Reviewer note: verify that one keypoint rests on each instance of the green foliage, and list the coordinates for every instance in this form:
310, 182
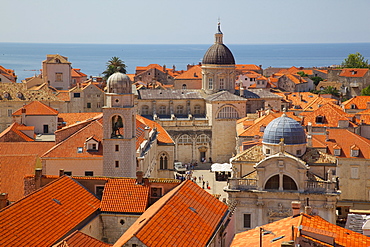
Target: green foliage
365, 91
316, 79
330, 90
115, 64
302, 74
355, 61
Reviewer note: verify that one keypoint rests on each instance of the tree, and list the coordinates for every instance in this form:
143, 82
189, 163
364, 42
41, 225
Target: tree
115, 64
316, 79
355, 61
302, 74
330, 90
365, 91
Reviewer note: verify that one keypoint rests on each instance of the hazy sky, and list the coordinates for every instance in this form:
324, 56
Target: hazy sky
185, 22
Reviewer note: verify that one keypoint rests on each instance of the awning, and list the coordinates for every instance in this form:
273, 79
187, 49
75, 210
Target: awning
225, 167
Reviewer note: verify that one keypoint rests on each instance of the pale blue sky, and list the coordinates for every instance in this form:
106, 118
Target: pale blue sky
185, 22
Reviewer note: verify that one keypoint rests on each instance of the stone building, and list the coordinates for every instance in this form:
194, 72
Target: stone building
268, 177
56, 71
201, 122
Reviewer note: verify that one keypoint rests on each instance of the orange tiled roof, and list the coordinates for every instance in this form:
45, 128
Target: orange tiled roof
186, 216
353, 72
72, 118
14, 134
36, 108
77, 73
63, 95
360, 102
332, 115
245, 67
64, 203
163, 136
80, 239
255, 129
195, 72
124, 195
282, 232
345, 139
8, 73
296, 79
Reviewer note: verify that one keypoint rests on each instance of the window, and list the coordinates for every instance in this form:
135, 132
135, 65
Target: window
210, 83
89, 173
116, 148
10, 112
197, 109
354, 173
79, 150
185, 139
163, 162
183, 86
298, 152
320, 119
88, 105
355, 152
99, 191
203, 138
288, 183
247, 220
116, 163
155, 192
162, 110
180, 109
222, 83
98, 105
145, 110
272, 183
228, 112
58, 76
92, 146
69, 173
337, 152
76, 95
268, 151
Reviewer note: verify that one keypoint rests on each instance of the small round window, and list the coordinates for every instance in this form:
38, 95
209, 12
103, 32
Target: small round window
117, 100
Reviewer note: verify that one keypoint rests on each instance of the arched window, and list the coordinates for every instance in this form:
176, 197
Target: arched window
180, 109
163, 161
288, 183
197, 109
145, 110
183, 86
228, 112
203, 138
185, 139
162, 110
117, 125
272, 183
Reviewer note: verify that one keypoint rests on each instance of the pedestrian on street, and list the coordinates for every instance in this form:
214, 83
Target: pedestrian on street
203, 184
207, 185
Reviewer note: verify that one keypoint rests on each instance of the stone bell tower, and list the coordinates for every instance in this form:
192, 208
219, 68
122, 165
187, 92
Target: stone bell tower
119, 126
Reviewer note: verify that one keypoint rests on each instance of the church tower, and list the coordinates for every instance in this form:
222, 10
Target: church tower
119, 124
218, 67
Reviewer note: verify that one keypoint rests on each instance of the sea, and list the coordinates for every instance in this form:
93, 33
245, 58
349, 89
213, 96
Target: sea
26, 58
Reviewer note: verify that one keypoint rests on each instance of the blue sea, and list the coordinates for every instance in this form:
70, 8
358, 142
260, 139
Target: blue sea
26, 58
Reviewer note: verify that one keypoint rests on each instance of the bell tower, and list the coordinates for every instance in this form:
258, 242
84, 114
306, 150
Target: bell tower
119, 127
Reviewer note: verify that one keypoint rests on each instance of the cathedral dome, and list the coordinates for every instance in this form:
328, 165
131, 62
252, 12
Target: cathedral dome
284, 127
119, 83
218, 54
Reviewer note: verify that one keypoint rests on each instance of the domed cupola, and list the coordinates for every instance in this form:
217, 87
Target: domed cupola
119, 83
218, 53
284, 131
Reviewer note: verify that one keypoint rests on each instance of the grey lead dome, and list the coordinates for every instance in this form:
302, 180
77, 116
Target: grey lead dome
284, 127
119, 83
218, 54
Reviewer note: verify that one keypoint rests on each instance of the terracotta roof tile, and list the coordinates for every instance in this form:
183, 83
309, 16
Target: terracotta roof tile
185, 216
353, 72
72, 118
345, 139
309, 224
36, 108
195, 72
359, 102
124, 195
80, 239
14, 134
63, 95
64, 203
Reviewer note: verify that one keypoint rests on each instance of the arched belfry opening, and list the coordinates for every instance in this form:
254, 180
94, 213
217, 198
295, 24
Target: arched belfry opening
275, 183
117, 126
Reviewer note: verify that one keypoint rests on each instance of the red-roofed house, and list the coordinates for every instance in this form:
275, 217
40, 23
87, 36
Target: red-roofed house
300, 230
295, 83
7, 75
186, 216
353, 80
356, 104
190, 79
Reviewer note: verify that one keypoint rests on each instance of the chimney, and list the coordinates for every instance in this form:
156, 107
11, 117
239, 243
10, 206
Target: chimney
38, 175
296, 207
326, 135
23, 116
139, 177
368, 105
61, 172
308, 210
4, 200
164, 68
146, 132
